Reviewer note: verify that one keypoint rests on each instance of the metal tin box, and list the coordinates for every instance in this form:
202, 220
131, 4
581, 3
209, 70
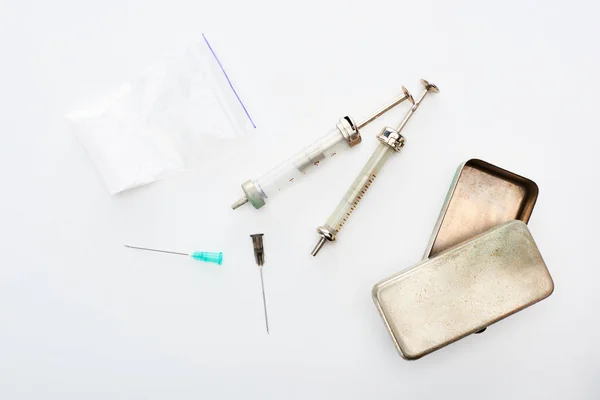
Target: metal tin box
481, 196
463, 290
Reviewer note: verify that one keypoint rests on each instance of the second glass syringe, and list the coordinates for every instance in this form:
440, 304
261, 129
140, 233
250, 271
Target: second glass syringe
345, 135
390, 141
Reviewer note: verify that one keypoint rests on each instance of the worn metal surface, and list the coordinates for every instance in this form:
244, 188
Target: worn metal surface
481, 196
463, 290
349, 131
252, 193
392, 138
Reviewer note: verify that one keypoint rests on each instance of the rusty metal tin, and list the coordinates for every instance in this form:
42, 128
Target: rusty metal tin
463, 290
481, 196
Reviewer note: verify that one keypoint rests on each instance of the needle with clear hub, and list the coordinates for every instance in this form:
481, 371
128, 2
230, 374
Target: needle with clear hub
390, 141
259, 256
206, 256
345, 135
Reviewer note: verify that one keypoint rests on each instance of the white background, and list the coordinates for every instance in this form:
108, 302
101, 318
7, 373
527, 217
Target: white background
81, 317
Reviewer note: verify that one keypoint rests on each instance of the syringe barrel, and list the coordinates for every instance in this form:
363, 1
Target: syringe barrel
358, 188
301, 163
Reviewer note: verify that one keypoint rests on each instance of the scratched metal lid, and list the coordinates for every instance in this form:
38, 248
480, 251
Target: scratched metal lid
463, 290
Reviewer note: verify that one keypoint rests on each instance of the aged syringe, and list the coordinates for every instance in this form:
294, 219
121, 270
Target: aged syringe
345, 135
390, 140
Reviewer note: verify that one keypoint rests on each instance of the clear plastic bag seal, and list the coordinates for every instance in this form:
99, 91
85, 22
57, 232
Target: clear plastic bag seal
171, 118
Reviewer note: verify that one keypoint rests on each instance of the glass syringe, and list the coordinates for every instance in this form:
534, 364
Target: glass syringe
390, 141
345, 135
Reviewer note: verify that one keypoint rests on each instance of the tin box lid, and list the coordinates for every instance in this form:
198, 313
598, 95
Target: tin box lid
463, 290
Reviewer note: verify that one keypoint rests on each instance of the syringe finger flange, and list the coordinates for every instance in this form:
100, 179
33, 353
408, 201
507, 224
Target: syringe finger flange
349, 131
392, 138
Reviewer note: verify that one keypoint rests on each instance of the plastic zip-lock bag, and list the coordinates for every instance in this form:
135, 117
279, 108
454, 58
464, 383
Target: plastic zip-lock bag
168, 120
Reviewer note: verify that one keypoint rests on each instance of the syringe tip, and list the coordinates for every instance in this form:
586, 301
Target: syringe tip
240, 202
318, 246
